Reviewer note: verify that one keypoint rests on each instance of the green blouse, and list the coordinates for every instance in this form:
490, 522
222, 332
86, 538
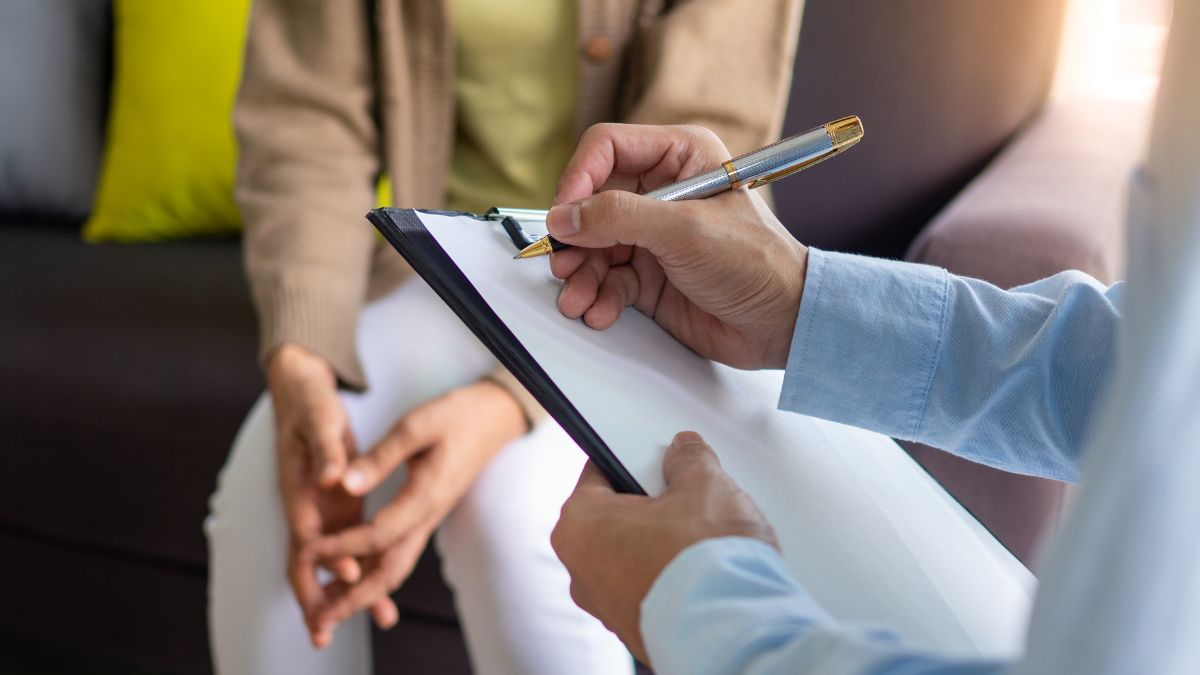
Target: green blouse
515, 95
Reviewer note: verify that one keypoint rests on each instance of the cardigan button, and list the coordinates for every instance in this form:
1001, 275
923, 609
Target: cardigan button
598, 49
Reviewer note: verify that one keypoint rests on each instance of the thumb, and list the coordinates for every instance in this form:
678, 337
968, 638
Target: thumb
329, 450
688, 460
617, 217
592, 479
370, 469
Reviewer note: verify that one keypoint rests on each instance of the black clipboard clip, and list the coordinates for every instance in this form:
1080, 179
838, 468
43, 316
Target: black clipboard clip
511, 220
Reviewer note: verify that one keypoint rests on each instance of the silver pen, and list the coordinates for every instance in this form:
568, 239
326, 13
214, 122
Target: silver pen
752, 170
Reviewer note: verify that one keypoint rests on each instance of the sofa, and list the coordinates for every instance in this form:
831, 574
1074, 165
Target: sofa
127, 369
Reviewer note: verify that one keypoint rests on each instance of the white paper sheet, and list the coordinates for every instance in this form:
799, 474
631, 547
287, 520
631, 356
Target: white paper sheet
862, 526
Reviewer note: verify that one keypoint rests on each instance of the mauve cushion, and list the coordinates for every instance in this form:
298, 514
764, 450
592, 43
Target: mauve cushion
1053, 200
54, 57
941, 87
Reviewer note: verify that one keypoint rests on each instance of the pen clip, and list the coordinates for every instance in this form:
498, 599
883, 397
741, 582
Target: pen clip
843, 134
784, 173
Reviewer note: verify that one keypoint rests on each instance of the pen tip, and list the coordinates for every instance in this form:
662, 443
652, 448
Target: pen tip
538, 248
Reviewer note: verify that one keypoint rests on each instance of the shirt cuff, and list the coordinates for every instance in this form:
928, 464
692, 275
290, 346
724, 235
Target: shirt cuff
720, 599
866, 343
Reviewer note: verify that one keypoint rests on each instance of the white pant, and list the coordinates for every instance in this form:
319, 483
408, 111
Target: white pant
510, 590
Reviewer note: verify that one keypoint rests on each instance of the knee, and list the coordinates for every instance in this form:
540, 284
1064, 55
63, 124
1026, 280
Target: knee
509, 512
246, 483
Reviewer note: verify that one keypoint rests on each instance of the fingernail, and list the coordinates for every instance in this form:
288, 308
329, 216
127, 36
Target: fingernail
354, 480
562, 291
329, 472
687, 438
563, 221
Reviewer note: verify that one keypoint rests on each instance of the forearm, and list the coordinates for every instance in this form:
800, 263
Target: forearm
728, 606
1006, 378
307, 168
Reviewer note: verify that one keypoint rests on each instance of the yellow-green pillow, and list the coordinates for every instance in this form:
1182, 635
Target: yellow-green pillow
170, 154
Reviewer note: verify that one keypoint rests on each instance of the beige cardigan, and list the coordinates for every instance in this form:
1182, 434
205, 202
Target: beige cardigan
334, 91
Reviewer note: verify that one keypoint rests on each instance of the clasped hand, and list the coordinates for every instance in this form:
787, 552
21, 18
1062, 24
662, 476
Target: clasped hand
322, 479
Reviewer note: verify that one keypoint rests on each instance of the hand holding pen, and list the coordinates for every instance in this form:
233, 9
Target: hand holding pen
721, 275
751, 170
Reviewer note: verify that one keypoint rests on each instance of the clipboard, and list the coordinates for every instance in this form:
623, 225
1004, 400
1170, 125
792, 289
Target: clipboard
406, 233
868, 533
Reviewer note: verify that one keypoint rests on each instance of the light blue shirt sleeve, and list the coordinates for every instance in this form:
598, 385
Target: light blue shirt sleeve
1011, 379
729, 606
726, 606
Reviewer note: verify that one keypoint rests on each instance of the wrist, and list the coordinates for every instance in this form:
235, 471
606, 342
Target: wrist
291, 362
512, 422
780, 347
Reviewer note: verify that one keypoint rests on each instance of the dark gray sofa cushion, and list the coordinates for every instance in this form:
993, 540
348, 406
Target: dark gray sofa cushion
54, 57
127, 371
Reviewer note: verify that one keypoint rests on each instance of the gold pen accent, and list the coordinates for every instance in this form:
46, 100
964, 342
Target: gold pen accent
845, 132
735, 182
538, 248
